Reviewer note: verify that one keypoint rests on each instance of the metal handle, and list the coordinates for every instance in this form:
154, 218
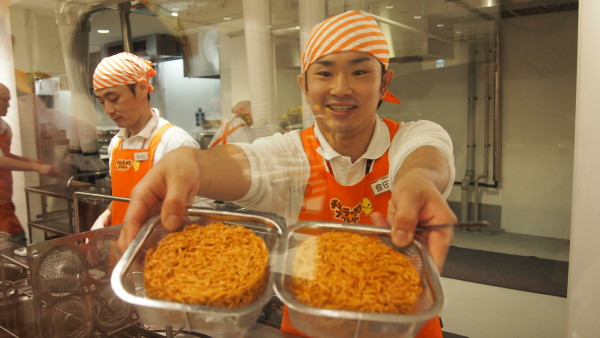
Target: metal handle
424, 227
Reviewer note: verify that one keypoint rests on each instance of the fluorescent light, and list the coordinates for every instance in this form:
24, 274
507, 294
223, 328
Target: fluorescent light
389, 6
417, 17
226, 18
174, 14
103, 31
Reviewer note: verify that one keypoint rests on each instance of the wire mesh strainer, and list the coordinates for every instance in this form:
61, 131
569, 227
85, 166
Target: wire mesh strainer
69, 317
72, 296
61, 271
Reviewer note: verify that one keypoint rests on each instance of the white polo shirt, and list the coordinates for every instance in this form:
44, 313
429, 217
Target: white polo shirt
173, 138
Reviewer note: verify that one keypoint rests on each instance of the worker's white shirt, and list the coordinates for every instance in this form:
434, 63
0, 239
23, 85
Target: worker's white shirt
173, 138
280, 167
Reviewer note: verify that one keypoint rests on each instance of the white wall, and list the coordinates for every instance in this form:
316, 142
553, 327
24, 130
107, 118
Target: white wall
183, 96
538, 104
584, 270
538, 107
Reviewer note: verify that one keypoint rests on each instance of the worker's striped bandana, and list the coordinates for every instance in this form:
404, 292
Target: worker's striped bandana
122, 69
349, 31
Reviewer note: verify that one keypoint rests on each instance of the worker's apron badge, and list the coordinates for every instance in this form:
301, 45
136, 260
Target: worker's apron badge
381, 185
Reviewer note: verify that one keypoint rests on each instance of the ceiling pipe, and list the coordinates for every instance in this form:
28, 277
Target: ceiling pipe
470, 171
124, 12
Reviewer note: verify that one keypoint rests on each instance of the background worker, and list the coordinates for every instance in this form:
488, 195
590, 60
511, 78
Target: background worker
10, 162
406, 170
122, 86
238, 129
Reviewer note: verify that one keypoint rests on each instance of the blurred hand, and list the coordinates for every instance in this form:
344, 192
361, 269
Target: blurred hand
47, 169
417, 200
103, 220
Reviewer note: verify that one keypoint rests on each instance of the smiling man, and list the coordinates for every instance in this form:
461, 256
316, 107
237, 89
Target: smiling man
122, 86
350, 167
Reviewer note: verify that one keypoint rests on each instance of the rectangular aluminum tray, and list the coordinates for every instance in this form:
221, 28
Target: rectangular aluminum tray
128, 277
320, 322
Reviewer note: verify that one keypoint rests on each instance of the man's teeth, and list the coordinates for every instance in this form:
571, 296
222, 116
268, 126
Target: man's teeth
340, 108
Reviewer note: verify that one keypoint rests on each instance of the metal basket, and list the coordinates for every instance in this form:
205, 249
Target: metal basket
128, 278
71, 285
321, 322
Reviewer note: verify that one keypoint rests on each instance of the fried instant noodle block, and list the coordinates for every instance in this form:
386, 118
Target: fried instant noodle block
349, 271
216, 265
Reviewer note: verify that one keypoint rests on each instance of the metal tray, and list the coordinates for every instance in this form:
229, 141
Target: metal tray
128, 278
320, 322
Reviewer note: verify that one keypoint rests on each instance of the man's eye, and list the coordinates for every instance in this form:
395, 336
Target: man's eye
325, 74
359, 72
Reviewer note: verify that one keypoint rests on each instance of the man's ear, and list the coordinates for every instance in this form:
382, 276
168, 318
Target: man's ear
385, 82
302, 83
143, 86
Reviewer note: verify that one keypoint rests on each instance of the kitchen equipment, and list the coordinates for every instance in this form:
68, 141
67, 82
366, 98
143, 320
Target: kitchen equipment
51, 208
72, 296
321, 322
16, 311
128, 277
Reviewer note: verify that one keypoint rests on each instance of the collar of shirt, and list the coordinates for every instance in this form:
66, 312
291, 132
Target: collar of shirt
378, 146
144, 133
346, 172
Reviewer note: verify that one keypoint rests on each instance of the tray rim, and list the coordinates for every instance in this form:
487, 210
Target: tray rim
133, 249
432, 275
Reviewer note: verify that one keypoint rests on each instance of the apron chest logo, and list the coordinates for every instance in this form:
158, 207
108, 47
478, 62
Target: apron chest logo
123, 165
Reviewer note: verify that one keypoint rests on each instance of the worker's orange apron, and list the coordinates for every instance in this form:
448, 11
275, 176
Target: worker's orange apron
8, 220
127, 168
327, 200
226, 132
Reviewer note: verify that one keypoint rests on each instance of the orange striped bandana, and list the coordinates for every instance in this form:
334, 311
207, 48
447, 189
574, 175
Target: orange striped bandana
122, 69
349, 31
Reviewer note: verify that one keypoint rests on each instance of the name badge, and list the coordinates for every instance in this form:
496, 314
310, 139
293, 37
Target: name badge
381, 185
139, 157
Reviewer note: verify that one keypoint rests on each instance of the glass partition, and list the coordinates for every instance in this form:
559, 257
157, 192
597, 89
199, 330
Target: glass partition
499, 76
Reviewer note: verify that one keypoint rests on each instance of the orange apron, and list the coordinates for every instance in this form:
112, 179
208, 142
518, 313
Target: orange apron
8, 220
226, 133
327, 200
127, 167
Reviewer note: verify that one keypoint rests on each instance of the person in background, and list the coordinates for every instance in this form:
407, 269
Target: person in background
238, 129
10, 162
326, 171
122, 86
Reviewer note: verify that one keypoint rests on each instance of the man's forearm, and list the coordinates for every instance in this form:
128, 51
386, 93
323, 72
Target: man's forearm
224, 172
429, 162
11, 163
